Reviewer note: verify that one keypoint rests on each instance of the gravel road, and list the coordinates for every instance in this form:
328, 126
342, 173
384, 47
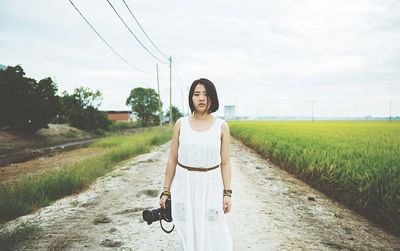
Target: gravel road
272, 210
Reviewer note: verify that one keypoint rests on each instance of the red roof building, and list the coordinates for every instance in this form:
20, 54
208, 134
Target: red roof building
120, 115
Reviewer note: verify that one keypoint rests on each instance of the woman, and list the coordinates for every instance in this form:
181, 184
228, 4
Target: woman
198, 174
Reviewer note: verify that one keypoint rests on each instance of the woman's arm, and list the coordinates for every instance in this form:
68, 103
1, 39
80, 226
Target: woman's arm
225, 156
226, 166
172, 161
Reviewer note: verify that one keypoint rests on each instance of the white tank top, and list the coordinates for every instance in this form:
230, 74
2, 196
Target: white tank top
200, 149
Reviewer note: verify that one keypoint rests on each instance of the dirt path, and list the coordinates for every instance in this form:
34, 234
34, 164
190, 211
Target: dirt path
271, 211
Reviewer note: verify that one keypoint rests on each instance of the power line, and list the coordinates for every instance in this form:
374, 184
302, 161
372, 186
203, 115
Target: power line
183, 90
102, 39
180, 80
143, 30
179, 84
137, 39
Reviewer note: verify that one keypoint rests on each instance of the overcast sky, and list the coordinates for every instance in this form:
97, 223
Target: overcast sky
265, 57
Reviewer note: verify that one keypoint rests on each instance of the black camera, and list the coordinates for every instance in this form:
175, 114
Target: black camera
158, 214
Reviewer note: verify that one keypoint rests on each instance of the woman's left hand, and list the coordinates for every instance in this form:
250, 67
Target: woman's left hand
227, 204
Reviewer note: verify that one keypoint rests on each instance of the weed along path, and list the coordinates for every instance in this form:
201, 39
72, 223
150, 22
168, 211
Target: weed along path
272, 210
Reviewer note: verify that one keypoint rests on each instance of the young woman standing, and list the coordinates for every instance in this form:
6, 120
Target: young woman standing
198, 174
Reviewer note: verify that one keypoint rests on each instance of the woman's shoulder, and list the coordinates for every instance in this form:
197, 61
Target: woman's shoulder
224, 125
181, 119
179, 122
222, 121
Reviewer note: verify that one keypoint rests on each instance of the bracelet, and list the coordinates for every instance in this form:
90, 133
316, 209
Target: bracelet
165, 193
228, 191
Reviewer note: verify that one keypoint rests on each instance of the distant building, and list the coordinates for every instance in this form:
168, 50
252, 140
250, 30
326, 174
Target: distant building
229, 112
120, 115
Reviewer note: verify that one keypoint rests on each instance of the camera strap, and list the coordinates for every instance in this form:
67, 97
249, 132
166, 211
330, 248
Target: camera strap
167, 231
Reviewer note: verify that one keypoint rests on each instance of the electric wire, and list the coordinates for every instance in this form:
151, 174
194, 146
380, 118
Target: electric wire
102, 39
178, 82
137, 39
179, 78
179, 85
155, 46
174, 76
184, 91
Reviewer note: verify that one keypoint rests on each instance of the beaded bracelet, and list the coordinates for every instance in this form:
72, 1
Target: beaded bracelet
228, 192
165, 193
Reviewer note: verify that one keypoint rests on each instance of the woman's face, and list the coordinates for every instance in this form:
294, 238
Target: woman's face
200, 99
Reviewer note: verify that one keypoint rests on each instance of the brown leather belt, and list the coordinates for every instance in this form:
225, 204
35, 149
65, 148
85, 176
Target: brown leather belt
199, 169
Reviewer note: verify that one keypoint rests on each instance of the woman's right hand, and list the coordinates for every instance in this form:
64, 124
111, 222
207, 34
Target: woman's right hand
163, 199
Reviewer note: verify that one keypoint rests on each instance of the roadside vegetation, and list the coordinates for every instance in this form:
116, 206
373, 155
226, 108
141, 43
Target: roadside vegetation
357, 163
9, 239
118, 125
32, 193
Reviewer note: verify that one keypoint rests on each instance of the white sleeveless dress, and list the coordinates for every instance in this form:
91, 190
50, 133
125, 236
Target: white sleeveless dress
197, 198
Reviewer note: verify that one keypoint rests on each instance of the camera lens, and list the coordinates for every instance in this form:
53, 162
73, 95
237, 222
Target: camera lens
153, 215
148, 216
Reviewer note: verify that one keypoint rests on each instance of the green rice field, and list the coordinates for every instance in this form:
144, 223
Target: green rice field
357, 163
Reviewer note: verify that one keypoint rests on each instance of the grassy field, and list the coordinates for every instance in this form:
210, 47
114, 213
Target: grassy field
357, 163
31, 193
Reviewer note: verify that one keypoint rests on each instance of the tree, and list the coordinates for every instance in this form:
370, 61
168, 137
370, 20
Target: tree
176, 114
79, 109
24, 103
144, 103
45, 102
86, 97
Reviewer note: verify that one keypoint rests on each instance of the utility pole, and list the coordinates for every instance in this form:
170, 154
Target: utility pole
390, 110
170, 91
159, 98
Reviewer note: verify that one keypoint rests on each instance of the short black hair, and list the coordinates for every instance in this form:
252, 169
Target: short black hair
211, 94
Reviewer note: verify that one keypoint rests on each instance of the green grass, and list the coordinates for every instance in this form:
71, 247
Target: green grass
38, 191
71, 134
357, 163
75, 203
126, 125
